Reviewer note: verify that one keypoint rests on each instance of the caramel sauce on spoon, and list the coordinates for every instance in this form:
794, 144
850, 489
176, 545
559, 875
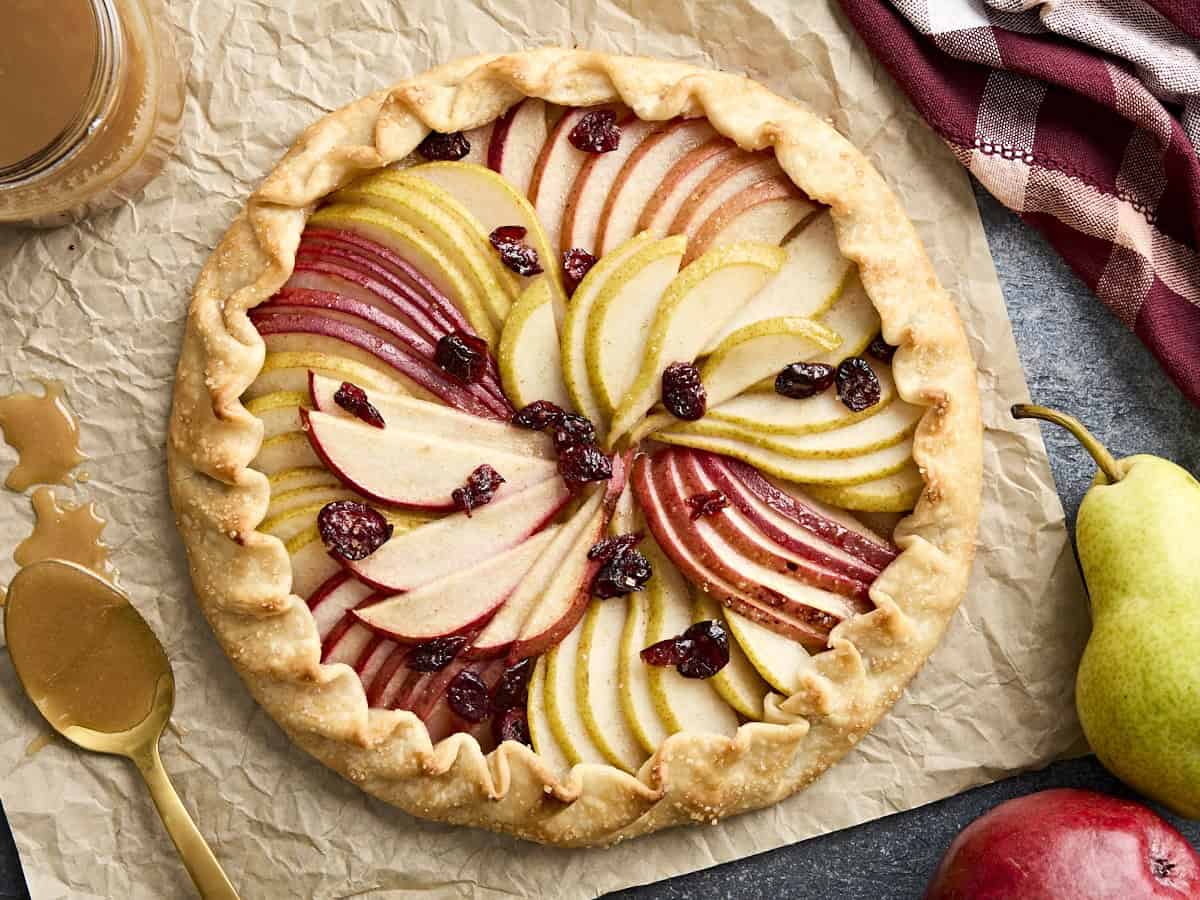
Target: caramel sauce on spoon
44, 434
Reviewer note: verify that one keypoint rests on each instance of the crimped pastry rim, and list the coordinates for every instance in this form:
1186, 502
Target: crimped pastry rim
242, 577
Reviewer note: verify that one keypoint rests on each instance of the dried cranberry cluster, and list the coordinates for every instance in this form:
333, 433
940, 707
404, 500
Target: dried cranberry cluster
683, 392
509, 241
435, 655
478, 491
447, 147
468, 696
462, 356
352, 530
576, 263
596, 132
700, 652
579, 459
623, 569
353, 400
857, 384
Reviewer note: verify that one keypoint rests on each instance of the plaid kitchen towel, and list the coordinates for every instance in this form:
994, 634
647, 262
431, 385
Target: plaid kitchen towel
1083, 116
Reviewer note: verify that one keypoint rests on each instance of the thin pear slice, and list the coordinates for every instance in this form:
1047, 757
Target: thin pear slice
738, 683
436, 420
620, 320
895, 493
517, 141
422, 205
432, 551
287, 480
496, 203
854, 319
637, 702
737, 174
770, 413
479, 140
810, 281
540, 730
284, 451
562, 706
554, 174
312, 566
768, 211
500, 633
682, 181
780, 661
530, 352
304, 494
575, 328
458, 602
695, 304
446, 271
598, 684
684, 704
850, 471
279, 411
288, 371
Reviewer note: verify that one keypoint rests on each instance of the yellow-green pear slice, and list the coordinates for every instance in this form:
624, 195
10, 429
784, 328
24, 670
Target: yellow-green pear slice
289, 450
443, 219
495, 202
540, 730
289, 524
738, 683
299, 346
598, 685
286, 480
447, 272
575, 328
897, 492
810, 280
854, 318
637, 701
279, 411
529, 353
287, 372
851, 470
619, 323
562, 706
770, 413
683, 704
285, 501
779, 660
895, 422
695, 304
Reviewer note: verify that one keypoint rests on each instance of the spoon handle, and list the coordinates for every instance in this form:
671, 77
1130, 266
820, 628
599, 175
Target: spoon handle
206, 872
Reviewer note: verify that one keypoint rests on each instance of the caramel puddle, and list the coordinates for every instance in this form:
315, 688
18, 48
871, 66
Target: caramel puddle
44, 434
70, 532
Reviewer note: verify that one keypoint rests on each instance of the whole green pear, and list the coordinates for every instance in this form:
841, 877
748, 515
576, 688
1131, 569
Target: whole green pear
1138, 687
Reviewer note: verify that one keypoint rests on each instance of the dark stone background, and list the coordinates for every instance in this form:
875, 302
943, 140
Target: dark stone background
1078, 357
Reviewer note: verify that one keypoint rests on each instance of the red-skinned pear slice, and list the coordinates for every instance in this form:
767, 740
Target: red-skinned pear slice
554, 174
517, 141
573, 340
505, 627
530, 355
436, 420
621, 318
737, 174
598, 684
446, 270
695, 305
812, 278
739, 683
682, 180
480, 140
767, 212
312, 566
854, 319
594, 185
566, 596
540, 732
642, 177
442, 547
562, 705
683, 704
333, 599
458, 602
895, 493
411, 469
813, 632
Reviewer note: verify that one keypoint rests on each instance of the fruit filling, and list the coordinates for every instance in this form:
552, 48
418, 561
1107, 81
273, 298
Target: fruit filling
579, 507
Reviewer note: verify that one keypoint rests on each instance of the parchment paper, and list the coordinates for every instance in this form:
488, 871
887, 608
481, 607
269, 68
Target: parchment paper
102, 306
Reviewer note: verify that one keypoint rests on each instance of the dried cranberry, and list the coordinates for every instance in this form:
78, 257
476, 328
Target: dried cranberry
609, 547
576, 263
709, 653
512, 725
481, 485
468, 696
509, 241
581, 463
801, 380
352, 530
353, 400
435, 655
444, 147
683, 393
462, 355
512, 690
624, 573
538, 415
707, 504
596, 132
573, 429
670, 652
857, 384
881, 349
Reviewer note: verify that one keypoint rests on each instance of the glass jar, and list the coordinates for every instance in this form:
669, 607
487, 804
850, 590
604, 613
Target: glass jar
91, 97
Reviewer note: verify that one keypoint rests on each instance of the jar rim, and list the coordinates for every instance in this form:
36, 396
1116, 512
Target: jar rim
102, 96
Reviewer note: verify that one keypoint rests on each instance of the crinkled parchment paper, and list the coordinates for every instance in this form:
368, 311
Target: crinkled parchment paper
102, 307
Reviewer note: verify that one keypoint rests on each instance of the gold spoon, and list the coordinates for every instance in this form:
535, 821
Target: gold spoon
95, 670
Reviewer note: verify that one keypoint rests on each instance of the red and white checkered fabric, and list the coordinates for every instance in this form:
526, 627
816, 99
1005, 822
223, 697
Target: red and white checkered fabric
1083, 116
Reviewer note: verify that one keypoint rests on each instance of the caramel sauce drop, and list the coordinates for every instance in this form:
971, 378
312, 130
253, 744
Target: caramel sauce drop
71, 532
44, 434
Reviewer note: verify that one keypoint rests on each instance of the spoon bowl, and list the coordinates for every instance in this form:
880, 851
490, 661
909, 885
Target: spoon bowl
95, 670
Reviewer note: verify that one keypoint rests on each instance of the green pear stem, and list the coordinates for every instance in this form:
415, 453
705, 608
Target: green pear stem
1104, 459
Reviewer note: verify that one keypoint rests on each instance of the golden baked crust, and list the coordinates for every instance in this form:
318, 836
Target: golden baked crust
243, 577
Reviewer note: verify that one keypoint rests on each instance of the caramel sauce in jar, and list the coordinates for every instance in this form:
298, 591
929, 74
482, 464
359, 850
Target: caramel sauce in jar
91, 96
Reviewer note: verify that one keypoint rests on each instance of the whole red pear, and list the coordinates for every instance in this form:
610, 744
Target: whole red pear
1067, 845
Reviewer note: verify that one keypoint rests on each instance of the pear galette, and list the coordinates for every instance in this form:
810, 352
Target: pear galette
575, 445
